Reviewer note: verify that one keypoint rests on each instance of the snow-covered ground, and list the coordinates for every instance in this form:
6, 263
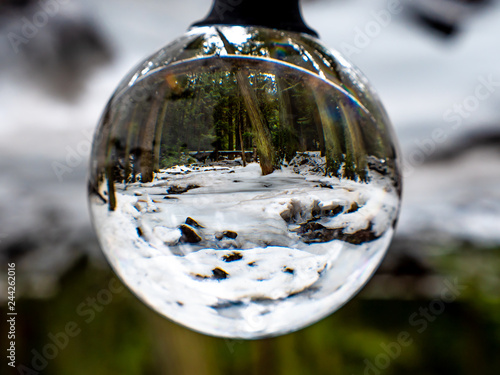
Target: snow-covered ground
221, 248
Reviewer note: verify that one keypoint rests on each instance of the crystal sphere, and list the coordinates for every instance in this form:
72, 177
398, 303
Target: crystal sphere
244, 181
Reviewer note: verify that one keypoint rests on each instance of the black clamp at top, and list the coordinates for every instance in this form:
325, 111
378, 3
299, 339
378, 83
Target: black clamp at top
275, 14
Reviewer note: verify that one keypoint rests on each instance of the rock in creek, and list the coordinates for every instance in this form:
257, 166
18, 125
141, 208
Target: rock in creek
230, 234
189, 234
174, 189
217, 274
190, 221
313, 232
227, 233
232, 257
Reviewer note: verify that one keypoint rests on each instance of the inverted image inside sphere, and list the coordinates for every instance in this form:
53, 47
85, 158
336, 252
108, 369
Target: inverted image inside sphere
244, 181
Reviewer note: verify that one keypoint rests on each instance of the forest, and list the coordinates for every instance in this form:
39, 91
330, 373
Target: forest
207, 110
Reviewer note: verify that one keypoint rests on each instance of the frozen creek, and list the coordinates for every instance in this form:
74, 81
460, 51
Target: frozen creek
225, 250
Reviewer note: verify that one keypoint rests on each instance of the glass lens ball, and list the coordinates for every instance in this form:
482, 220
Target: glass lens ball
244, 181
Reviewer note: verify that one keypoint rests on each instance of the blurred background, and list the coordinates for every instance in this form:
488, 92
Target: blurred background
432, 308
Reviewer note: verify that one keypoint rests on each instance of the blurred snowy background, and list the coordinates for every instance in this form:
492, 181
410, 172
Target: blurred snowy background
434, 63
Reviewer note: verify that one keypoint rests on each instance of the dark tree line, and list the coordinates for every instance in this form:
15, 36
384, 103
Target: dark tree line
235, 104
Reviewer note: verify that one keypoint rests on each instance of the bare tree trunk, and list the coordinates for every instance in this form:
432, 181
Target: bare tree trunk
321, 134
290, 142
101, 143
376, 131
333, 149
147, 134
356, 163
159, 132
111, 187
262, 134
130, 142
106, 148
240, 134
102, 154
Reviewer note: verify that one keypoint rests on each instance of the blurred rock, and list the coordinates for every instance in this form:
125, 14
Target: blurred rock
55, 44
472, 141
230, 234
189, 234
444, 17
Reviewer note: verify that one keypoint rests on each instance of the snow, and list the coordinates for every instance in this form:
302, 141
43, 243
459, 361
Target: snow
264, 281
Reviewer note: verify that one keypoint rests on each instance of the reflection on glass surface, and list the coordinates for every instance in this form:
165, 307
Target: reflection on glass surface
244, 181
